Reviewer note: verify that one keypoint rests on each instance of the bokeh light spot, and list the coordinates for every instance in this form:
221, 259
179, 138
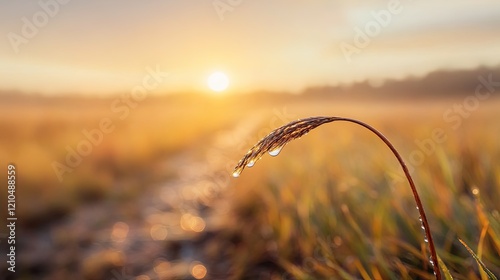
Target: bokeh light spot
190, 222
199, 271
119, 232
158, 232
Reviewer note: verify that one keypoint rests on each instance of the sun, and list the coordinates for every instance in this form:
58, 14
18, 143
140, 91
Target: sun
218, 81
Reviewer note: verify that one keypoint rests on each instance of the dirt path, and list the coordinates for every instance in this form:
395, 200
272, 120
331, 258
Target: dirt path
165, 233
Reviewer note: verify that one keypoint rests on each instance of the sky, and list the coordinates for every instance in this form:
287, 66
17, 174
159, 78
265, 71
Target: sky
106, 46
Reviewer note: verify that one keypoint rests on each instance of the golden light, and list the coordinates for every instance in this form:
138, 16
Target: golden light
199, 271
192, 223
218, 81
162, 268
158, 232
119, 232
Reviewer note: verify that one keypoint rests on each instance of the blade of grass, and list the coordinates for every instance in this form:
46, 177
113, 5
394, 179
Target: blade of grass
444, 268
486, 219
402, 269
362, 270
478, 260
480, 247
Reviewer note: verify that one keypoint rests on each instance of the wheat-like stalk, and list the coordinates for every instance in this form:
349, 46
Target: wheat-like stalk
278, 138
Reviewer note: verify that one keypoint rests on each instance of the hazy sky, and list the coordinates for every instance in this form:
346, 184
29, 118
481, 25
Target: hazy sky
105, 46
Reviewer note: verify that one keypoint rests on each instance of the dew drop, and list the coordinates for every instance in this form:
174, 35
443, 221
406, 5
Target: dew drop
422, 226
417, 207
237, 173
276, 151
426, 240
251, 163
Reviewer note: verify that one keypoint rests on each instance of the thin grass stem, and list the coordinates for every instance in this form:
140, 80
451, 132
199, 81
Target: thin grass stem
274, 142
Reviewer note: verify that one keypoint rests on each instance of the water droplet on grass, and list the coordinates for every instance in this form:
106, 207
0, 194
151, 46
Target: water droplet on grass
251, 163
237, 173
276, 151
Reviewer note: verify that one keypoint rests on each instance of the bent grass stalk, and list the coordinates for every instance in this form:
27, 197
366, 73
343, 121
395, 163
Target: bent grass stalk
274, 142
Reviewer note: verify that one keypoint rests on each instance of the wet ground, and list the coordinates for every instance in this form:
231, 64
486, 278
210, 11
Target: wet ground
170, 231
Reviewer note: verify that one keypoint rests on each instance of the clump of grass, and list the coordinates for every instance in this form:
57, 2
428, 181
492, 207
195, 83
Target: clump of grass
274, 142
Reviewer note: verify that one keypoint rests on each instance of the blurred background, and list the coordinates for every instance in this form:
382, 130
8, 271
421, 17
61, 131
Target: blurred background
125, 119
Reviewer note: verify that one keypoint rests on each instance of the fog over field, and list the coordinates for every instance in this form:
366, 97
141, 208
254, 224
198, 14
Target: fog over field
122, 123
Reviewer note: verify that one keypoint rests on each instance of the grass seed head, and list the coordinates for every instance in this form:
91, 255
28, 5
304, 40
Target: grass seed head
274, 142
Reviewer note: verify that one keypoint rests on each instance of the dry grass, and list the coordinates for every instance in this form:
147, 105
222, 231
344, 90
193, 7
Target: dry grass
35, 133
278, 138
326, 209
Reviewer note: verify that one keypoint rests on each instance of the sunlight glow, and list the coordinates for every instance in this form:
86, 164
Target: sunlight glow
218, 81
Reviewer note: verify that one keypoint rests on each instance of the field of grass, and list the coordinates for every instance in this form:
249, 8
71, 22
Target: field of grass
36, 132
333, 205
